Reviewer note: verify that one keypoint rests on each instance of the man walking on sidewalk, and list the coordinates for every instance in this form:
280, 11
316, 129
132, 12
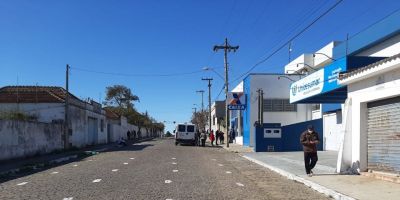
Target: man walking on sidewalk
309, 139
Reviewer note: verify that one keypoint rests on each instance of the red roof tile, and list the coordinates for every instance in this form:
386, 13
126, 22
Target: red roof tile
33, 94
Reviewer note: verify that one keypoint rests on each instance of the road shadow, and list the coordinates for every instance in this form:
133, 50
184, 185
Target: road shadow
39, 163
33, 168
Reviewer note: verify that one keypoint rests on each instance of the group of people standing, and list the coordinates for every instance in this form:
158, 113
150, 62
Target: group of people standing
219, 135
202, 137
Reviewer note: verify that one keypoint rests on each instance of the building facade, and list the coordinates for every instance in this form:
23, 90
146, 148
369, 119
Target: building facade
372, 125
359, 94
47, 104
275, 106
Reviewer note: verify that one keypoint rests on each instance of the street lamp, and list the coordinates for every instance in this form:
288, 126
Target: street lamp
324, 55
202, 104
279, 77
212, 69
290, 70
305, 64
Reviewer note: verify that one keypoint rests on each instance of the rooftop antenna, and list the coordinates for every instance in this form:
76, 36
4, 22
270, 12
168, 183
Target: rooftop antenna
347, 43
290, 50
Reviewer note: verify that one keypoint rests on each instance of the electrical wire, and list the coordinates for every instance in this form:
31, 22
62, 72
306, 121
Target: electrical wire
136, 75
290, 40
220, 92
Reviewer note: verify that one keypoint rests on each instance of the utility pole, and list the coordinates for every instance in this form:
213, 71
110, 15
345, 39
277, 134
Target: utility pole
202, 100
66, 120
260, 107
209, 101
227, 48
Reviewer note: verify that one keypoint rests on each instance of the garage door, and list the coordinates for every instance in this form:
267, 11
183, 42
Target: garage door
384, 135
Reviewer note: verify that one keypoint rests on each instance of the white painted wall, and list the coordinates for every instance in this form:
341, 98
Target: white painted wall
387, 48
375, 86
274, 88
361, 93
333, 132
46, 112
21, 138
79, 113
119, 128
320, 60
79, 125
316, 114
294, 65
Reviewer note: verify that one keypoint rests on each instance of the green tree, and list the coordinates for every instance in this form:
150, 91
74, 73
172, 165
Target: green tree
168, 134
120, 96
200, 119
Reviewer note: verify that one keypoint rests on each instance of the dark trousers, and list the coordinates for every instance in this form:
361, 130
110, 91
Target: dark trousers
203, 142
310, 160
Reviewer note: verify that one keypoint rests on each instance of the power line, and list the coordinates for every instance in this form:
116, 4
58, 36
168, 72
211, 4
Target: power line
137, 75
287, 42
220, 92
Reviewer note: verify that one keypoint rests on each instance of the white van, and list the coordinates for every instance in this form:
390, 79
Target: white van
185, 134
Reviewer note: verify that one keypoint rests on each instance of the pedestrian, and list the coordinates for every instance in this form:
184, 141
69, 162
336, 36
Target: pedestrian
197, 140
128, 135
221, 137
232, 135
203, 136
212, 137
121, 142
134, 135
216, 137
309, 139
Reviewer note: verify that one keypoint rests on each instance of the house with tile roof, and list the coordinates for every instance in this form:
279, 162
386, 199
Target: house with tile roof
47, 104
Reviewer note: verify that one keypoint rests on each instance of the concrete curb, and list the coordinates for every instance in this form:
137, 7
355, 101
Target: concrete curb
319, 188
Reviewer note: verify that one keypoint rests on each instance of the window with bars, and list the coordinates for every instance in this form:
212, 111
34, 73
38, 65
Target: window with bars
279, 105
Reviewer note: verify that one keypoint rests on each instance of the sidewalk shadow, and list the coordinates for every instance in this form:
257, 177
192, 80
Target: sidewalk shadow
327, 174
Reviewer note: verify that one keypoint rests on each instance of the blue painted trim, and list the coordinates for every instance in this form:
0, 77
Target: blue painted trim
369, 37
246, 113
329, 107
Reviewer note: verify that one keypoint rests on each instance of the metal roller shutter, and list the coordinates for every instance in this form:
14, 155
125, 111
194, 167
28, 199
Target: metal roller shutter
384, 135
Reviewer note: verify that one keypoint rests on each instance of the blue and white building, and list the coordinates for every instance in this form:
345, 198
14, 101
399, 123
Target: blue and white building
357, 86
277, 111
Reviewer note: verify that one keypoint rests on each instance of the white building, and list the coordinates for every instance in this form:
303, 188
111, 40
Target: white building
359, 93
47, 104
218, 116
276, 107
372, 109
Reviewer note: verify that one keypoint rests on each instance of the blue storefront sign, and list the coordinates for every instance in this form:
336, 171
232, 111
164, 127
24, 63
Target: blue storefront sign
319, 82
322, 86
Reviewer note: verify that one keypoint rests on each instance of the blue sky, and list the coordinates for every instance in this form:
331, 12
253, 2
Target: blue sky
38, 38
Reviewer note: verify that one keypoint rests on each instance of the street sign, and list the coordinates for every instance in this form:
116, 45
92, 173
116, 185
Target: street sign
236, 101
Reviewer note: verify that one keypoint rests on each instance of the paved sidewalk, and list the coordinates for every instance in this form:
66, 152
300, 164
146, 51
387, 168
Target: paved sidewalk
325, 180
237, 148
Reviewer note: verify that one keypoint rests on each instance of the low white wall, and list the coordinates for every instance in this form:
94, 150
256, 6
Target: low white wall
20, 138
333, 132
239, 140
